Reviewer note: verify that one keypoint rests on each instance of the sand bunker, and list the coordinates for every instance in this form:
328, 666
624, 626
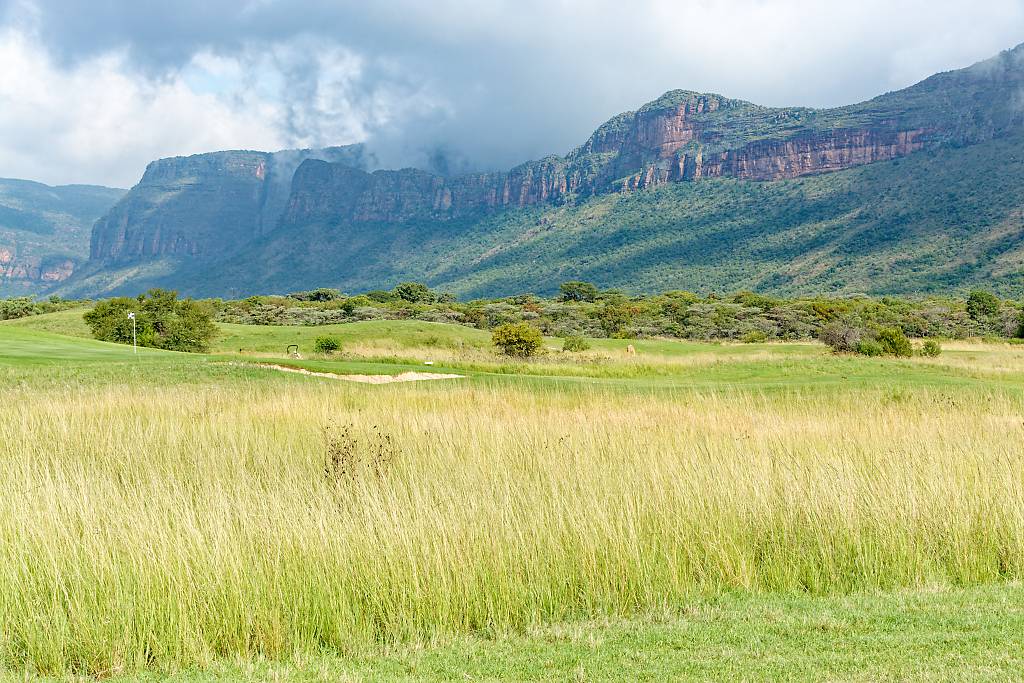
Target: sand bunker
366, 379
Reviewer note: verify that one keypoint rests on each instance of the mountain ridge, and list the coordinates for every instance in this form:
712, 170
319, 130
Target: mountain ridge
681, 137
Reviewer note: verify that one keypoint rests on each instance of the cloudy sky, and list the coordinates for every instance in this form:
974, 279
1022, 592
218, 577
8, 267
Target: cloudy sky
91, 91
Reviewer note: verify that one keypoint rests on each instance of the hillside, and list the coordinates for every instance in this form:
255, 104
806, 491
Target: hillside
44, 231
909, 192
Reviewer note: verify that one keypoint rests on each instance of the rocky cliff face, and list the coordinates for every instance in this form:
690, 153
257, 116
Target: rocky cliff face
203, 206
687, 136
44, 232
805, 154
34, 269
323, 191
682, 137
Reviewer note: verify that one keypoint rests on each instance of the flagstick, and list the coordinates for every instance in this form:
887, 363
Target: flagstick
135, 345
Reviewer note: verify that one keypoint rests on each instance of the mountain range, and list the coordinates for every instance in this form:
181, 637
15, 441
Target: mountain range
915, 191
45, 231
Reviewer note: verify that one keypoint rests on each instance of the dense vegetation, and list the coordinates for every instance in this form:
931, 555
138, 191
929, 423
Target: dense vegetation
24, 306
582, 310
156, 319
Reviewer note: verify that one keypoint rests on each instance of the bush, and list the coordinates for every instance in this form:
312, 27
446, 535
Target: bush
754, 337
869, 347
931, 349
326, 344
841, 336
895, 343
575, 343
517, 339
20, 307
161, 322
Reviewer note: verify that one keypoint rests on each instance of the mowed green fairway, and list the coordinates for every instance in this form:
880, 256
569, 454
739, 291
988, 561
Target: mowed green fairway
691, 512
390, 347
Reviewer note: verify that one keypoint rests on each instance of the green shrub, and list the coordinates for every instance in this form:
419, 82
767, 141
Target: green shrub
575, 343
931, 349
20, 307
161, 322
754, 337
517, 339
870, 347
353, 302
895, 343
326, 344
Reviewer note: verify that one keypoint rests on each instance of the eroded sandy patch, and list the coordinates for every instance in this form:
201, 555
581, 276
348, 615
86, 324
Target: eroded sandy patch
409, 376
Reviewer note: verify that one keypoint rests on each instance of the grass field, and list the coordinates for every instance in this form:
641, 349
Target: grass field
695, 511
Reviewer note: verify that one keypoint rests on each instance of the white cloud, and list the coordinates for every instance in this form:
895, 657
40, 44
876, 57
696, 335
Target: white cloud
100, 122
93, 91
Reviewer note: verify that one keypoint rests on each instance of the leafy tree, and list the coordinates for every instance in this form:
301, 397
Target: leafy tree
380, 296
415, 293
982, 304
577, 290
615, 318
162, 321
517, 339
320, 294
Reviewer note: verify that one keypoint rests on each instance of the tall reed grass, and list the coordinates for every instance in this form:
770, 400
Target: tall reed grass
171, 529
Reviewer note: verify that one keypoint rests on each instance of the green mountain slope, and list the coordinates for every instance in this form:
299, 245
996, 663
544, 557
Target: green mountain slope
44, 231
938, 220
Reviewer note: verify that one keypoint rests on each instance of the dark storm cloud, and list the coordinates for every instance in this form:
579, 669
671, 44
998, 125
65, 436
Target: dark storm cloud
471, 84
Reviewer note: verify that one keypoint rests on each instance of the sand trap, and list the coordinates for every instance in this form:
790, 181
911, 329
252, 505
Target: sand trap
365, 379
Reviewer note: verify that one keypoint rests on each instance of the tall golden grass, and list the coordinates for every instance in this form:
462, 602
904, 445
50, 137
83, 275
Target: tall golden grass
171, 528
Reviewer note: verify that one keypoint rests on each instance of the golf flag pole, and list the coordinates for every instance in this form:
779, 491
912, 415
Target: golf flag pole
135, 345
